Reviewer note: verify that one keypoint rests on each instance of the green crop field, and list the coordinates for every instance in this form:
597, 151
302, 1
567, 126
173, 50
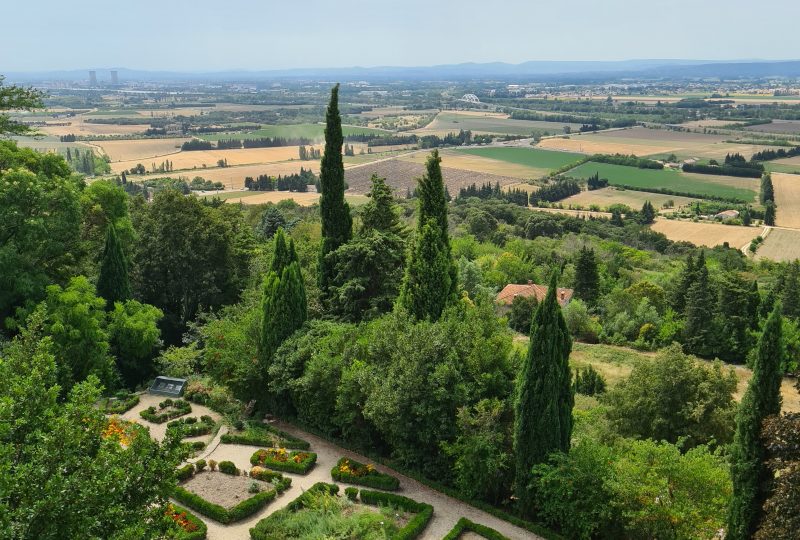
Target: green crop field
453, 122
782, 167
308, 131
699, 185
531, 157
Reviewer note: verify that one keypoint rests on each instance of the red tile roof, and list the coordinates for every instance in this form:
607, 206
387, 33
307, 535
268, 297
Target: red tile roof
506, 296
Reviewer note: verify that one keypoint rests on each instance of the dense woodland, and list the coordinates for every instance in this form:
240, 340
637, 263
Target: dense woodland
376, 327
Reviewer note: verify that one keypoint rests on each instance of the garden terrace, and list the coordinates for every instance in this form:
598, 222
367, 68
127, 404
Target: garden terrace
187, 525
166, 410
257, 434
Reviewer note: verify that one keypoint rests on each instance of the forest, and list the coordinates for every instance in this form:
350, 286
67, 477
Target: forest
376, 327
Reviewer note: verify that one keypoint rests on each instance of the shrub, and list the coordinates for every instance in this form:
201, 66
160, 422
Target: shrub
199, 465
216, 512
186, 526
228, 467
255, 487
280, 460
351, 493
353, 472
190, 427
416, 525
300, 501
464, 525
212, 464
178, 408
589, 382
121, 403
257, 434
185, 472
260, 473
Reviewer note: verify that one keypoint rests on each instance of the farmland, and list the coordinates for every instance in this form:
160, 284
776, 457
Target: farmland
303, 199
724, 187
308, 131
448, 122
791, 127
706, 234
529, 157
139, 149
209, 158
780, 245
233, 177
787, 199
605, 197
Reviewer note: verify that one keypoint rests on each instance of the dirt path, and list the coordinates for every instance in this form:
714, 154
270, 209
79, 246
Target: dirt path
446, 509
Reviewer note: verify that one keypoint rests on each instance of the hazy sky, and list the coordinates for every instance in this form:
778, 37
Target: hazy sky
213, 35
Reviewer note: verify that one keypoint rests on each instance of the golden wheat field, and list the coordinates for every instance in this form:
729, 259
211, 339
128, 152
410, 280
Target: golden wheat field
469, 162
139, 149
634, 199
780, 245
233, 177
76, 126
208, 158
706, 234
586, 145
787, 199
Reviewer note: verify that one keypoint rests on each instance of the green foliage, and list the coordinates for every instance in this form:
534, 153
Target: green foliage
271, 220
16, 98
40, 212
135, 339
244, 509
113, 283
198, 531
351, 471
337, 223
581, 325
675, 398
120, 403
464, 525
258, 434
781, 438
431, 279
521, 313
278, 459
227, 467
166, 410
587, 279
544, 395
638, 489
423, 512
761, 399
61, 478
589, 382
185, 472
699, 332
647, 214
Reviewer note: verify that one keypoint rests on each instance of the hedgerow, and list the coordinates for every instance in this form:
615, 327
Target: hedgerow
280, 460
465, 525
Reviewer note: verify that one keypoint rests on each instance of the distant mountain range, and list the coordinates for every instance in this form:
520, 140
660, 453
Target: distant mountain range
526, 71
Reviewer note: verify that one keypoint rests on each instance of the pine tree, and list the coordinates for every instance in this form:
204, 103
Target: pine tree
790, 295
699, 332
113, 284
337, 223
734, 317
762, 399
431, 278
544, 396
587, 280
687, 279
647, 214
379, 214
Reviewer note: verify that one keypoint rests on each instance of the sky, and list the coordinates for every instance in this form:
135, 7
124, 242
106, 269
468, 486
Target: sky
220, 35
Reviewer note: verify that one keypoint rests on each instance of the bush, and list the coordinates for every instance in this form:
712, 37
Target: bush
186, 526
190, 427
216, 512
280, 460
416, 525
200, 465
121, 403
228, 467
255, 487
353, 472
256, 434
212, 464
351, 493
260, 473
465, 525
300, 501
178, 406
589, 382
185, 472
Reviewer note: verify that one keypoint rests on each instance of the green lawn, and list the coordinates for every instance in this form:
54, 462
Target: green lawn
782, 168
531, 157
698, 185
308, 131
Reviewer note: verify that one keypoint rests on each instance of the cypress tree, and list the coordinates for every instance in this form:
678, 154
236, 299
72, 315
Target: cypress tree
587, 280
687, 279
767, 192
431, 278
790, 296
769, 213
647, 214
283, 254
699, 330
337, 223
544, 395
762, 399
113, 284
753, 305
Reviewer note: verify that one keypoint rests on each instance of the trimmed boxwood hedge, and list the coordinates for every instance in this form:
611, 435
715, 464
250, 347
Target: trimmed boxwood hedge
121, 403
152, 415
181, 534
224, 515
185, 472
413, 528
253, 438
374, 479
465, 525
192, 427
227, 467
295, 505
264, 459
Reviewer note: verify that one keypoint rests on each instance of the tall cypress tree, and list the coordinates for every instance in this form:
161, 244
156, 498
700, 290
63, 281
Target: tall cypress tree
790, 296
687, 279
113, 284
587, 280
337, 223
431, 278
544, 394
699, 331
762, 399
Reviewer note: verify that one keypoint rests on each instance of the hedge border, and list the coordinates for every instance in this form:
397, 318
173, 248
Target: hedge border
464, 524
286, 466
417, 524
536, 528
224, 515
149, 414
196, 428
289, 441
202, 529
375, 479
122, 407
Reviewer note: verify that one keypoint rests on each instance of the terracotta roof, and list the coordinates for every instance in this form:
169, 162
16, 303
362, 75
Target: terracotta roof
506, 296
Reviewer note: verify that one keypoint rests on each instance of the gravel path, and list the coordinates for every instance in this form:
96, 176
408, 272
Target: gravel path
447, 511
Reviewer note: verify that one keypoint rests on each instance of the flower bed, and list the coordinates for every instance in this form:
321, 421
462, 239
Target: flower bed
192, 427
245, 508
320, 511
257, 434
167, 410
465, 525
353, 472
186, 526
120, 403
280, 460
